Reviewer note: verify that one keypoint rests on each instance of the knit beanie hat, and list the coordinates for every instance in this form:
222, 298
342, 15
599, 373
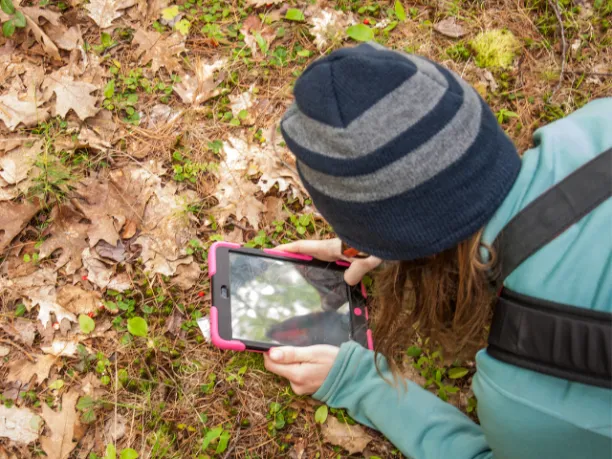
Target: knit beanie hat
400, 155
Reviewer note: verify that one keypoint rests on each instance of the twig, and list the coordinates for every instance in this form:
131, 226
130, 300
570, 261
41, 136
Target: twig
578, 72
231, 449
30, 358
231, 221
555, 7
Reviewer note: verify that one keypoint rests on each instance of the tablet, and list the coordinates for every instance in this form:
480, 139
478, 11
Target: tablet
267, 298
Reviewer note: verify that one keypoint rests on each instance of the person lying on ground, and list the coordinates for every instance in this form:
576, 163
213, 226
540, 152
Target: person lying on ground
408, 164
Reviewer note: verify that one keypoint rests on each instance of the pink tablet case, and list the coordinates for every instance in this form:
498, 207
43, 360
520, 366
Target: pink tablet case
234, 345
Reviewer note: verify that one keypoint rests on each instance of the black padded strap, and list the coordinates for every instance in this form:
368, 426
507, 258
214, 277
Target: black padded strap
559, 340
553, 212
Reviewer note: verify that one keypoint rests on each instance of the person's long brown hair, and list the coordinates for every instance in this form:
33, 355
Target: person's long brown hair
446, 297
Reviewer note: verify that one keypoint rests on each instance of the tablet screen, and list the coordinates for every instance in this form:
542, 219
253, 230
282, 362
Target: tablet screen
280, 302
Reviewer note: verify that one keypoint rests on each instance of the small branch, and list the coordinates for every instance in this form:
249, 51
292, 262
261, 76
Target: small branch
30, 358
555, 7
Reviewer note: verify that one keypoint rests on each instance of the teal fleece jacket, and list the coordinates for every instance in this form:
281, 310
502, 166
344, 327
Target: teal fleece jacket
523, 414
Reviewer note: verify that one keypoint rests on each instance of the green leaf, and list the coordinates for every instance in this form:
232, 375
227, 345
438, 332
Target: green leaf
20, 310
414, 351
234, 122
111, 306
7, 6
56, 385
321, 414
86, 323
137, 326
27, 258
168, 14
223, 442
399, 10
111, 452
19, 20
109, 89
242, 114
128, 453
360, 32
183, 26
293, 14
458, 372
210, 436
85, 403
88, 416
8, 28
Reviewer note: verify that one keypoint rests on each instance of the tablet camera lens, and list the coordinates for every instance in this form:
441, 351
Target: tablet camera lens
224, 292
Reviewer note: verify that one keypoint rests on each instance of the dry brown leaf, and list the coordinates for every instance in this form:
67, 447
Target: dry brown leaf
449, 28
59, 444
167, 230
38, 289
17, 163
174, 322
260, 3
68, 234
297, 452
24, 370
354, 439
158, 50
19, 424
328, 25
251, 27
15, 110
104, 12
109, 204
14, 216
61, 347
64, 37
198, 88
37, 13
78, 301
71, 95
98, 273
187, 275
21, 329
4, 351
39, 34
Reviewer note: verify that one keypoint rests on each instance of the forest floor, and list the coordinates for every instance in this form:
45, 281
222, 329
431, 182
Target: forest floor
134, 133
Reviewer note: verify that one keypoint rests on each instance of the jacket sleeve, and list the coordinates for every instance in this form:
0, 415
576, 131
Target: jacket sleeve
418, 423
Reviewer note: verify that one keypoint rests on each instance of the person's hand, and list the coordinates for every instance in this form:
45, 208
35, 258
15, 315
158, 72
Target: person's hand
331, 250
305, 367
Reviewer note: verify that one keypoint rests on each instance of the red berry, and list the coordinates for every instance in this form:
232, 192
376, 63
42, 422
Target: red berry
200, 294
56, 326
91, 314
101, 307
84, 278
366, 21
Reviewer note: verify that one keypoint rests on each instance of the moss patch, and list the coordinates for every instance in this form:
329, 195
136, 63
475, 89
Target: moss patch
495, 49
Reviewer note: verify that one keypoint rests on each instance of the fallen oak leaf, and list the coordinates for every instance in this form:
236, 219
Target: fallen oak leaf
41, 37
59, 444
15, 110
21, 330
20, 425
329, 25
198, 88
17, 163
24, 370
158, 50
353, 439
257, 36
61, 347
14, 216
242, 103
71, 95
78, 301
68, 233
104, 12
449, 28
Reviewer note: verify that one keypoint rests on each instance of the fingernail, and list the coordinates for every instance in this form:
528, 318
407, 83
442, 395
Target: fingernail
276, 354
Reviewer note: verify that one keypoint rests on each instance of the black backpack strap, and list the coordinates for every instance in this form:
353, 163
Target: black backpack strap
565, 341
553, 212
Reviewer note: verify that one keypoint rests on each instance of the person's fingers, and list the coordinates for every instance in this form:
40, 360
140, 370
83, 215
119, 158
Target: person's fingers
287, 354
360, 268
327, 250
286, 371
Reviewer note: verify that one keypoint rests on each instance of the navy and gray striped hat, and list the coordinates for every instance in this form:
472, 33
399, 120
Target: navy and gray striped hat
400, 155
